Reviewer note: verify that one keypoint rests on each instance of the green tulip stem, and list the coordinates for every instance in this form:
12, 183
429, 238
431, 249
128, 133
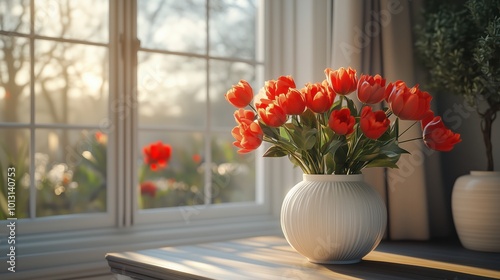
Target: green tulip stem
318, 141
412, 139
388, 112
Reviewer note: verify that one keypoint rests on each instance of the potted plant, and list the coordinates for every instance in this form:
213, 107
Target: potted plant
459, 43
332, 216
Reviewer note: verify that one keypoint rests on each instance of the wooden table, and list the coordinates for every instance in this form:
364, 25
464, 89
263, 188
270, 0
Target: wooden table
270, 257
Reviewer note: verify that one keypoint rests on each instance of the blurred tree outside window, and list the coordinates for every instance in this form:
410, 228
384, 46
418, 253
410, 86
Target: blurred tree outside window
56, 98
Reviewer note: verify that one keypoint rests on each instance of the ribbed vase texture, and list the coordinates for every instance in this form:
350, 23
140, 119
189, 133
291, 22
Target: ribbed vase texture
333, 218
476, 210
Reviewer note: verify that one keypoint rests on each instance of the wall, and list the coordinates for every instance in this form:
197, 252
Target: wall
470, 153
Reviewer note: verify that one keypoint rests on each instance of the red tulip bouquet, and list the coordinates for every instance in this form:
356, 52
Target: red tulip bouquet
323, 131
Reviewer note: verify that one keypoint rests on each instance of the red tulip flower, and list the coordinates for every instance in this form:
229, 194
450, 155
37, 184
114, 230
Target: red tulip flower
437, 136
373, 124
148, 188
406, 103
270, 89
271, 113
240, 95
157, 155
242, 115
317, 97
284, 83
274, 88
341, 121
292, 102
248, 136
371, 89
343, 81
331, 93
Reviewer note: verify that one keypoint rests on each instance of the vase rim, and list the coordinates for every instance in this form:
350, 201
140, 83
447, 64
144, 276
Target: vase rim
484, 173
332, 177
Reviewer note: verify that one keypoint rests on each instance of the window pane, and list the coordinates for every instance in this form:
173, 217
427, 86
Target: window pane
73, 19
179, 179
15, 15
172, 93
233, 28
172, 90
14, 152
172, 25
70, 172
71, 82
222, 76
14, 79
233, 175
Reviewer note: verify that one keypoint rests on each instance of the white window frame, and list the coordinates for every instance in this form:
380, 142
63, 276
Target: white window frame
67, 254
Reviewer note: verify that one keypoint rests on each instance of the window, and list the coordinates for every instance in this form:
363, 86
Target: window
86, 86
53, 68
190, 52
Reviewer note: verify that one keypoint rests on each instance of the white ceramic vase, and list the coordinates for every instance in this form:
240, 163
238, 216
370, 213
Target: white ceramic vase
475, 206
333, 219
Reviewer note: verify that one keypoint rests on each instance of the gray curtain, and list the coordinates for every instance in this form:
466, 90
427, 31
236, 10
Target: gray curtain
376, 36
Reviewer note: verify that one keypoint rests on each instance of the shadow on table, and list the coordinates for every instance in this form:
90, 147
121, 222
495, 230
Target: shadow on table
367, 269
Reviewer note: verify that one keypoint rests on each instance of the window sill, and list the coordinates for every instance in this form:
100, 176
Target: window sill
78, 254
270, 257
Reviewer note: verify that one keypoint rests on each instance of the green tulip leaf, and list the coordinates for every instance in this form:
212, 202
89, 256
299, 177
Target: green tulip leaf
386, 162
275, 151
308, 119
269, 131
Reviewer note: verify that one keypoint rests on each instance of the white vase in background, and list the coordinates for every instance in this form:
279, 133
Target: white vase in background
476, 210
333, 219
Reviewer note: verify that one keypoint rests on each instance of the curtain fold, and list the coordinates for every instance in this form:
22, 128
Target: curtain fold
375, 36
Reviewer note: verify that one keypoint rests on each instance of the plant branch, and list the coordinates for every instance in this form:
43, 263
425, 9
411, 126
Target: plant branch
408, 128
412, 139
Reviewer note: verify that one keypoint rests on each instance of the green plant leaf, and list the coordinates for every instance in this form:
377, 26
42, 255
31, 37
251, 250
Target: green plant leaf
393, 147
293, 134
284, 134
331, 146
294, 161
337, 105
310, 137
352, 107
275, 151
340, 158
329, 163
369, 157
269, 131
308, 118
389, 162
